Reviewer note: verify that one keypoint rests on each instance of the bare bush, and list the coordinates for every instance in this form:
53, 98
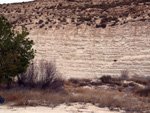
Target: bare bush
28, 79
47, 71
125, 74
43, 76
49, 76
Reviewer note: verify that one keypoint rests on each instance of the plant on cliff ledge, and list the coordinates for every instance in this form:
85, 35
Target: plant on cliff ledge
16, 51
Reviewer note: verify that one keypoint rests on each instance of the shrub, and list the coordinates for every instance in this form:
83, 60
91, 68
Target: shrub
140, 81
70, 0
49, 76
46, 22
125, 74
143, 80
28, 78
82, 18
74, 80
143, 92
106, 19
43, 77
106, 79
40, 22
41, 26
101, 25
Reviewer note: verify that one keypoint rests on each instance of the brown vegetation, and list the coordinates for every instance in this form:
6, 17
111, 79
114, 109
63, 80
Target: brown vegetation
84, 91
101, 98
44, 76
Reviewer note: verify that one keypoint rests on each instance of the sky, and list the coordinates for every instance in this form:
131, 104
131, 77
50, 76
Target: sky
13, 1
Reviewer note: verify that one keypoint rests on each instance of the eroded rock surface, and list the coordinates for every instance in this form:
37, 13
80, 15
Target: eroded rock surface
88, 38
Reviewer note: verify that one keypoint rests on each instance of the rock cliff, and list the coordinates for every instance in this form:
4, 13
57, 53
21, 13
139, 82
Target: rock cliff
88, 38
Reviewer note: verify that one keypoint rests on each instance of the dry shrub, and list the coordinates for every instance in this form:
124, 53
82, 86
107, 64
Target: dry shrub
74, 80
28, 79
140, 81
49, 76
143, 92
70, 84
106, 79
43, 77
125, 85
110, 80
124, 74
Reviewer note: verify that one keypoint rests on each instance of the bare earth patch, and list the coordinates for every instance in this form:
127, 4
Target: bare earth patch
63, 108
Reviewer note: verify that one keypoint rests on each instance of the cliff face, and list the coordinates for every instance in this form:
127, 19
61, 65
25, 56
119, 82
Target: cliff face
86, 39
89, 52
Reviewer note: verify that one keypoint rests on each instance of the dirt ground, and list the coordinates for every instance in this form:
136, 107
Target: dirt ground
72, 108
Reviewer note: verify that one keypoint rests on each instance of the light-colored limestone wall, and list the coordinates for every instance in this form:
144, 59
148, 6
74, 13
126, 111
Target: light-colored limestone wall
89, 52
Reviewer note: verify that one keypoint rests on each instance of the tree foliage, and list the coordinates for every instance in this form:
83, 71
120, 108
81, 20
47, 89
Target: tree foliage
16, 51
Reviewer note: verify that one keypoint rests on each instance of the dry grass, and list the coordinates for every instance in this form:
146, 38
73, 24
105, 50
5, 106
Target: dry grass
107, 99
34, 97
113, 99
85, 91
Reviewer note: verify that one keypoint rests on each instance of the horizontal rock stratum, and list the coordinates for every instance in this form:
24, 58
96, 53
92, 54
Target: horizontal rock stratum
89, 52
88, 41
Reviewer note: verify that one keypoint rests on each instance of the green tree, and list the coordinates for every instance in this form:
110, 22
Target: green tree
16, 51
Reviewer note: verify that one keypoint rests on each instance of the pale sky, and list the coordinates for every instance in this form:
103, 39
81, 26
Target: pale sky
13, 1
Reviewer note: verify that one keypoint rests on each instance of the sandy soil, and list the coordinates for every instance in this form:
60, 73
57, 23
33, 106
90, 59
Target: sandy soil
72, 108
